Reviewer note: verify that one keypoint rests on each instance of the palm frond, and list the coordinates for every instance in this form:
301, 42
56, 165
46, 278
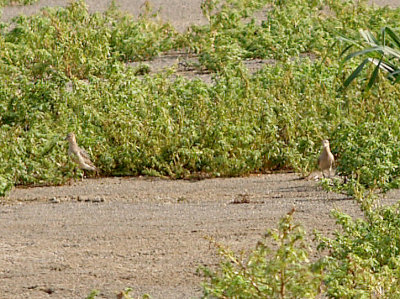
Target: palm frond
382, 52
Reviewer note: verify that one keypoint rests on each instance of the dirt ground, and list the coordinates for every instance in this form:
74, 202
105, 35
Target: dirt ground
145, 233
181, 13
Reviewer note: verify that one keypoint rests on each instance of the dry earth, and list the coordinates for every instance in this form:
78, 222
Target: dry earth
148, 234
144, 233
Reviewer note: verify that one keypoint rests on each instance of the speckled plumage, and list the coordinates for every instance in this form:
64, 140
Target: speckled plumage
79, 155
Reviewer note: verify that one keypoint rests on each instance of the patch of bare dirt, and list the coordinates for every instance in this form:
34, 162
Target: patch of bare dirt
143, 233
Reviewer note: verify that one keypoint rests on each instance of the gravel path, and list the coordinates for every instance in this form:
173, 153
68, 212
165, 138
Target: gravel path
147, 234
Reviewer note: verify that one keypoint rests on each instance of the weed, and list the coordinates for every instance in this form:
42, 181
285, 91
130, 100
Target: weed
63, 70
281, 273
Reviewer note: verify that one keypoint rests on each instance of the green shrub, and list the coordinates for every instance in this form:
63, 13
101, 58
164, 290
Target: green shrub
143, 39
287, 28
284, 272
72, 43
60, 43
370, 159
364, 258
63, 70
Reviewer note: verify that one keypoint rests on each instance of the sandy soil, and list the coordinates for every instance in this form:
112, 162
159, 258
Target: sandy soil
181, 13
143, 233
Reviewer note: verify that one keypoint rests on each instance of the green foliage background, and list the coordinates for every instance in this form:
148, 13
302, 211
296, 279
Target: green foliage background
65, 70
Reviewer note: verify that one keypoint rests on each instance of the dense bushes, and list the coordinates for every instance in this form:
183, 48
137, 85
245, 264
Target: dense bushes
63, 70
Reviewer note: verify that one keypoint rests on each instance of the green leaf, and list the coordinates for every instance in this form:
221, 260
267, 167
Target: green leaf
374, 75
392, 35
362, 52
346, 49
355, 73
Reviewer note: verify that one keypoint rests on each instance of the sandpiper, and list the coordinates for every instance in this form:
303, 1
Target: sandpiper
326, 159
79, 155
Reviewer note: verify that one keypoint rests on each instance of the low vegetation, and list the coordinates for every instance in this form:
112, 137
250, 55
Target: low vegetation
285, 272
16, 2
66, 69
360, 261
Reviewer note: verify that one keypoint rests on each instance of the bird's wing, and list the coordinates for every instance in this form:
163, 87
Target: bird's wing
84, 154
85, 162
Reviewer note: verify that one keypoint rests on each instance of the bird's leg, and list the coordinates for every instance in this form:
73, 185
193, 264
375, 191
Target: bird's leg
81, 175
